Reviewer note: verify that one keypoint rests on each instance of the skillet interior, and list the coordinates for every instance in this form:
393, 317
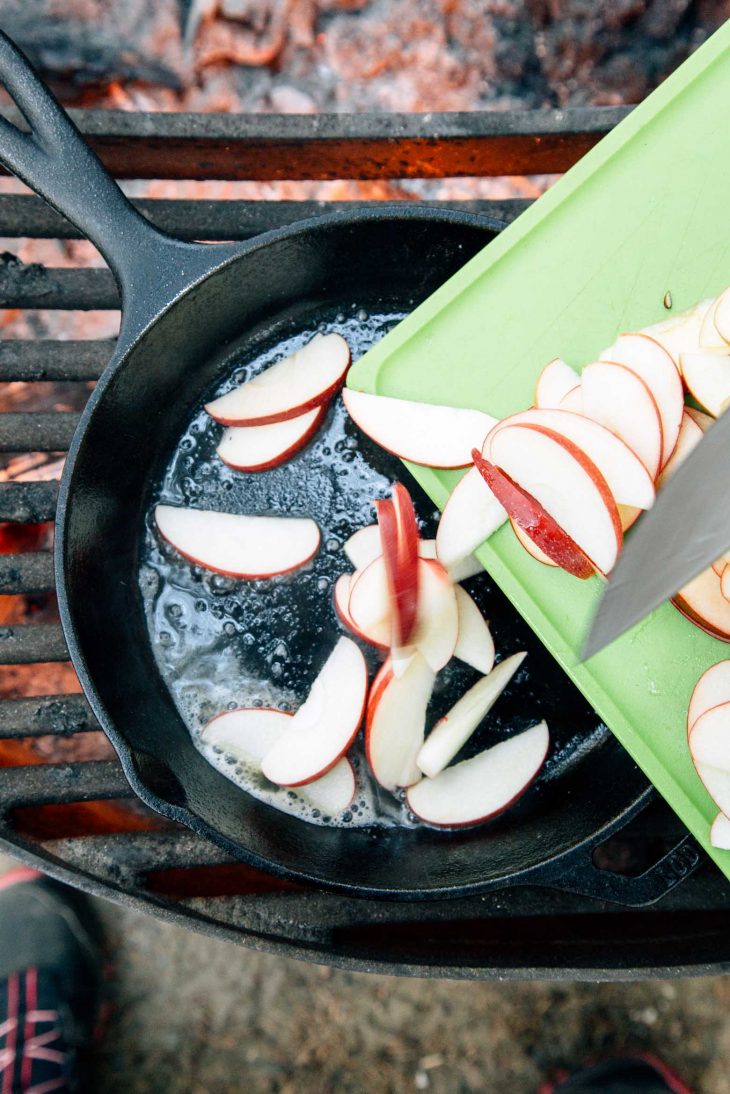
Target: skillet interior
380, 263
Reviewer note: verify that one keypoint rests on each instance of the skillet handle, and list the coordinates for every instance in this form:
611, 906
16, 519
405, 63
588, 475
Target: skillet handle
581, 876
150, 267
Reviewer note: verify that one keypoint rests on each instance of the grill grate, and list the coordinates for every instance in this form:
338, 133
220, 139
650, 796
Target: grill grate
78, 820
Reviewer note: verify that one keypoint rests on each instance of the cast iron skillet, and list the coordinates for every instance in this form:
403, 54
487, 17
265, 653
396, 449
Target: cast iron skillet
185, 307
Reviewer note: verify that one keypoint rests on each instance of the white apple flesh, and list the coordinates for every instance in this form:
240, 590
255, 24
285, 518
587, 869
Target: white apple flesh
680, 333
617, 398
437, 625
326, 724
711, 690
572, 401
554, 382
652, 364
710, 337
261, 447
474, 645
709, 738
451, 733
480, 788
363, 546
369, 606
248, 733
566, 484
424, 433
720, 832
626, 477
396, 723
707, 375
722, 315
470, 516
239, 546
690, 435
305, 379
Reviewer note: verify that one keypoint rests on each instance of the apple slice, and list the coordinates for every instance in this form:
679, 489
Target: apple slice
531, 548
572, 401
399, 537
236, 545
711, 690
396, 724
710, 337
629, 515
616, 397
709, 738
369, 606
437, 629
707, 375
566, 483
527, 512
475, 645
248, 733
680, 333
261, 447
451, 733
626, 477
424, 433
725, 583
652, 364
480, 788
326, 724
461, 570
720, 832
720, 564
554, 382
704, 421
722, 314
702, 602
689, 437
364, 546
306, 379
341, 597
470, 516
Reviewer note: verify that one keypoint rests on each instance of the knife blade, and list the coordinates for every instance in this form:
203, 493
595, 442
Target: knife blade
682, 534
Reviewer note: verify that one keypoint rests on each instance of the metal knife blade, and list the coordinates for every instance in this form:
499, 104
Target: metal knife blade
685, 531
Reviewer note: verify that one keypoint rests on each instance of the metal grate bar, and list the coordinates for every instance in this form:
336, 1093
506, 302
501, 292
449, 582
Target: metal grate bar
35, 286
37, 432
28, 502
43, 715
337, 146
58, 784
24, 643
139, 852
27, 573
48, 360
22, 215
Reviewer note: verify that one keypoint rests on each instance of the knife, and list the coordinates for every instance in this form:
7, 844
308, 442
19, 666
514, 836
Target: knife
685, 531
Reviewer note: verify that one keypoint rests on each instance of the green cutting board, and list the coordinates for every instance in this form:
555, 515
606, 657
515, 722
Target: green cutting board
646, 212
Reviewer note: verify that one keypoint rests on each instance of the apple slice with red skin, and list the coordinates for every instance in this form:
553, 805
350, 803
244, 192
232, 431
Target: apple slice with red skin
720, 832
369, 606
341, 598
237, 545
572, 401
566, 483
530, 547
702, 602
305, 379
437, 627
424, 433
326, 724
249, 732
364, 546
527, 512
711, 690
475, 790
470, 516
652, 364
396, 723
707, 376
690, 435
261, 447
626, 477
451, 732
554, 382
474, 645
721, 314
709, 746
620, 400
400, 539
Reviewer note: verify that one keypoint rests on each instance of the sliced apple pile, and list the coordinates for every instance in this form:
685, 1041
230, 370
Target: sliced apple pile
237, 545
708, 733
249, 733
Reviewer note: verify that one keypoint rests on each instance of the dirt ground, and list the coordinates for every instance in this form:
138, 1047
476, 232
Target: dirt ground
194, 1016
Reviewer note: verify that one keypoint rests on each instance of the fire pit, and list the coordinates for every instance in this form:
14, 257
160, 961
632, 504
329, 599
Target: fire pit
77, 820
